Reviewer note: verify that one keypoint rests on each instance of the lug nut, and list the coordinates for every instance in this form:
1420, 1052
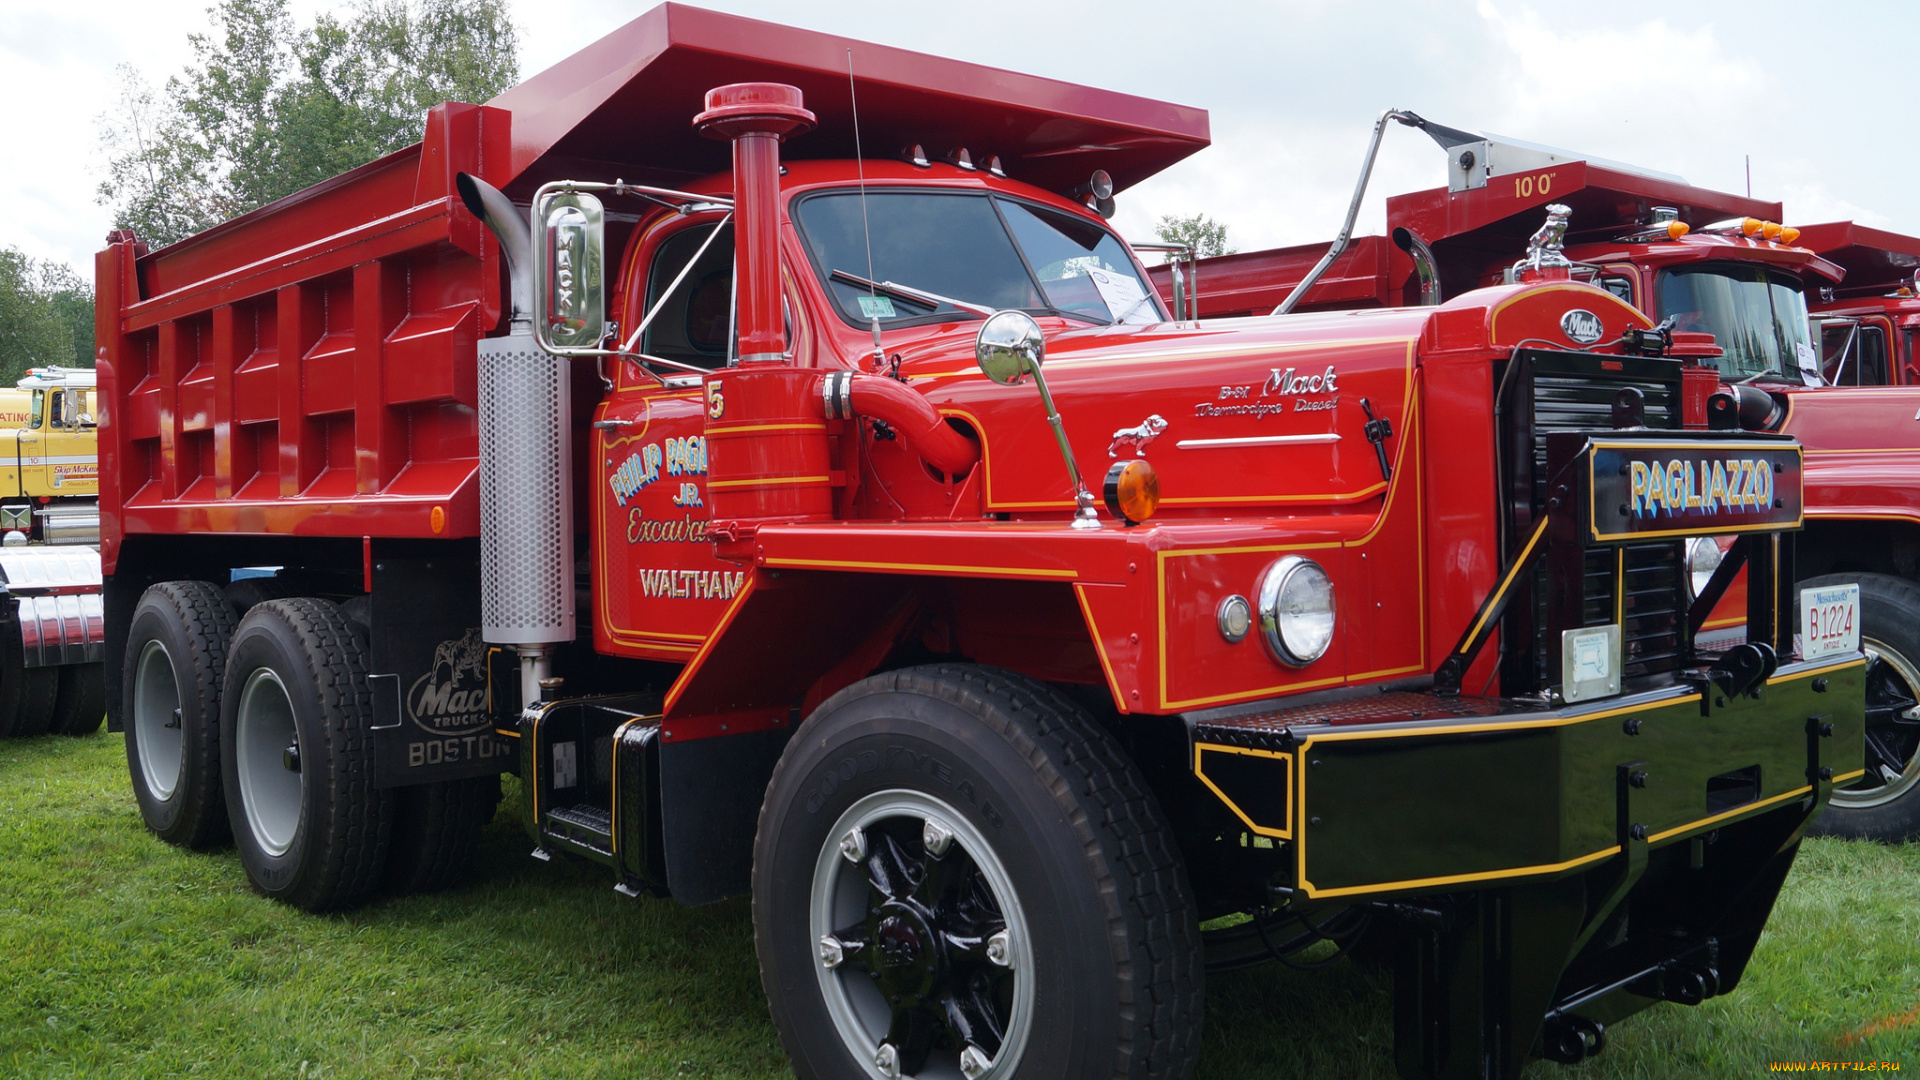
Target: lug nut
973, 1063
935, 837
1000, 949
290, 757
887, 1060
854, 845
832, 953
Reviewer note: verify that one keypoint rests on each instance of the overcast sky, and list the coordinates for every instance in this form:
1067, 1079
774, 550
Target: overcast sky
1820, 96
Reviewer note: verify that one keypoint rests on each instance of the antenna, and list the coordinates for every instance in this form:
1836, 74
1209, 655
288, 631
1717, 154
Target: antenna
860, 166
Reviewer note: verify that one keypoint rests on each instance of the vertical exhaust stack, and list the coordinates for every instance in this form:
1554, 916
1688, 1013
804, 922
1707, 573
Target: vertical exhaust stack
526, 495
766, 430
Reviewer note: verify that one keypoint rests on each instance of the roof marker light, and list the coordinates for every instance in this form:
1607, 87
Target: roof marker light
918, 155
1677, 229
993, 166
1788, 234
961, 159
1751, 227
1770, 230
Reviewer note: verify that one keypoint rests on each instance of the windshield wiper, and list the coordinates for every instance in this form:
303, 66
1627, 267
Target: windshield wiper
906, 292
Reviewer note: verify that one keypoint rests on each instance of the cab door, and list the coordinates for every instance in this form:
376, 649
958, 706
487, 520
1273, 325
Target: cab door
69, 449
658, 589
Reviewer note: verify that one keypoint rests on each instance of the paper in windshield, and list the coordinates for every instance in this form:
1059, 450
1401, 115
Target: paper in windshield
1125, 302
1809, 364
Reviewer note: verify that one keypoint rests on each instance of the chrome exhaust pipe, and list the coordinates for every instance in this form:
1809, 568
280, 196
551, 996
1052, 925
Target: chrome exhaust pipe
510, 226
526, 494
1424, 270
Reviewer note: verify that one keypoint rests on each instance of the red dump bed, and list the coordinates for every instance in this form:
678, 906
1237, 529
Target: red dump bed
1876, 261
308, 368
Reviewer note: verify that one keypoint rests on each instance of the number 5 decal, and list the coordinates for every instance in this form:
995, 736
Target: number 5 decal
716, 402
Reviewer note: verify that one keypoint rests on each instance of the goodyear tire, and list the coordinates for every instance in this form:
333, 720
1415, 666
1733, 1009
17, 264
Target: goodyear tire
297, 755
81, 701
436, 832
171, 679
1884, 805
958, 873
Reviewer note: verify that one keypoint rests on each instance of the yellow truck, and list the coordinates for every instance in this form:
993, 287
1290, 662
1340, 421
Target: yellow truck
49, 457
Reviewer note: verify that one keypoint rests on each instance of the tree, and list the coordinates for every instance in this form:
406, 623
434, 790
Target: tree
1207, 236
267, 108
46, 316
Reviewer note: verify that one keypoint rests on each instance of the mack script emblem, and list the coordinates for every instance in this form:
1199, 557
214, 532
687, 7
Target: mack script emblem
1582, 327
451, 698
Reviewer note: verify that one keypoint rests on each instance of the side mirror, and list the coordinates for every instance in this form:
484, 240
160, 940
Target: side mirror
1009, 347
569, 290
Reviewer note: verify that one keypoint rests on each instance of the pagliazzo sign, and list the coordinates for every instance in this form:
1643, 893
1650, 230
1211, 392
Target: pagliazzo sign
1640, 489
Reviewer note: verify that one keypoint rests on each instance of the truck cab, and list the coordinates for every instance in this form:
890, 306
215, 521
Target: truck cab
51, 479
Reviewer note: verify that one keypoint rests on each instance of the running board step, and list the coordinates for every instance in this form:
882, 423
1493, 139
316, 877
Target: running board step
586, 829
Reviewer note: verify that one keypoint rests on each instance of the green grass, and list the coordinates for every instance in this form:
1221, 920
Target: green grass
123, 957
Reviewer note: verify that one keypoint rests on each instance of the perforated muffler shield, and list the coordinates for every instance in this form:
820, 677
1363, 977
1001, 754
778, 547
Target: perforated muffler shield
526, 500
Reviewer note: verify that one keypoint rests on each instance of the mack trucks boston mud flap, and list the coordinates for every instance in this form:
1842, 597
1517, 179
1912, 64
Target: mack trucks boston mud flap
868, 538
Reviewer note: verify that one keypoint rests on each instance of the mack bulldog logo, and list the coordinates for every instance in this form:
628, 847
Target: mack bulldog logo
1582, 327
451, 698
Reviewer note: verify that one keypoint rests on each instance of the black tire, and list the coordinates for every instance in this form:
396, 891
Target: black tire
81, 702
1064, 820
436, 832
28, 694
188, 625
297, 678
1887, 810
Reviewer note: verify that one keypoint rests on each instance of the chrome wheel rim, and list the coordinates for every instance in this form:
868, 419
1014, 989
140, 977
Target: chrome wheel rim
157, 736
266, 757
920, 943
1893, 730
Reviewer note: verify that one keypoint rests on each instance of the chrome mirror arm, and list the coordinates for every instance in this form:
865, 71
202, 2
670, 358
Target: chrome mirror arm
1009, 349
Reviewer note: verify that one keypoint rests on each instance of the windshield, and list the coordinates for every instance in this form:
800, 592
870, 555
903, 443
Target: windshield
1759, 317
974, 247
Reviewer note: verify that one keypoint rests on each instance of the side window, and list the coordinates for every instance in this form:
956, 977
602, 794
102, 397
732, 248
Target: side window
39, 409
1621, 287
1853, 354
693, 325
56, 416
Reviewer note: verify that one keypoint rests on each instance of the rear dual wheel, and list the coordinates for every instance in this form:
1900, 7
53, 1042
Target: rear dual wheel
296, 749
175, 660
958, 874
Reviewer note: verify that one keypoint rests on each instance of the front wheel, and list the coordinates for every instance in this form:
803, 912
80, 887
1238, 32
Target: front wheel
1884, 804
959, 874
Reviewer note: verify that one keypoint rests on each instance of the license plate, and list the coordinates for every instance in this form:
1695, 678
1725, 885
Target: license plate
1829, 621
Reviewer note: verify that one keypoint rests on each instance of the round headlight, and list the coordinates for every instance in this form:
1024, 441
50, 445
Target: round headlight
1296, 610
1703, 558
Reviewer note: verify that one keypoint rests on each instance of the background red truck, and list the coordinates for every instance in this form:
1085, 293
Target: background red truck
990, 682
1649, 238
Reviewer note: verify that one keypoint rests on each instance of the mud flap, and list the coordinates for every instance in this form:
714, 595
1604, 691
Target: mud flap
439, 691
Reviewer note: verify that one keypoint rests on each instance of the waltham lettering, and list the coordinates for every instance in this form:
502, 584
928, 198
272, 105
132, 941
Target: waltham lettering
692, 584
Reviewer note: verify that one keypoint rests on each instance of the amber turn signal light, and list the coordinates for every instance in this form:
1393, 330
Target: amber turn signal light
1133, 490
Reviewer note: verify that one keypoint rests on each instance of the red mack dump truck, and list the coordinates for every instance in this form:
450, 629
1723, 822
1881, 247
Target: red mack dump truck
867, 536
1702, 261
